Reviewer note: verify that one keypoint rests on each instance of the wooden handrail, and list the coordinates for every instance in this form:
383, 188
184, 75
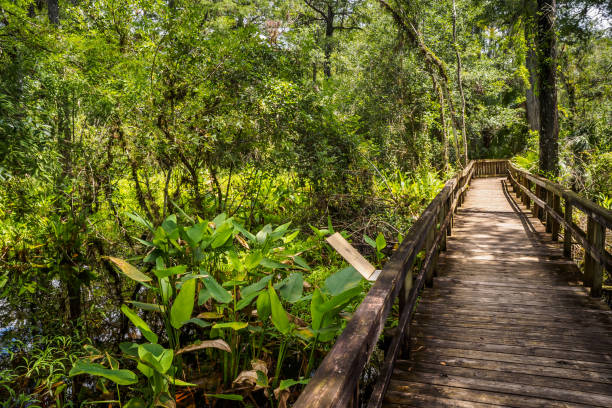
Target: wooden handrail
336, 381
547, 206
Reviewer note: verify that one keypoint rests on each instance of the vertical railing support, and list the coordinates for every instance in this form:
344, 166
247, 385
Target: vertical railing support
567, 232
555, 224
547, 216
593, 271
527, 199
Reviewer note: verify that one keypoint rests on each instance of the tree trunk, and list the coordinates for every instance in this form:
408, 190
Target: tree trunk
329, 33
53, 11
532, 110
460, 84
547, 90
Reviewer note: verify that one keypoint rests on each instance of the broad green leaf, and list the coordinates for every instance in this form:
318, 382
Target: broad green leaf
329, 225
175, 270
231, 325
149, 307
279, 315
231, 397
210, 315
203, 296
180, 383
156, 356
131, 349
140, 220
219, 219
342, 280
135, 403
244, 232
284, 384
121, 377
252, 260
317, 312
170, 227
292, 288
301, 262
165, 290
139, 323
338, 302
183, 304
270, 264
262, 379
198, 322
263, 306
369, 241
279, 231
217, 291
145, 369
381, 243
196, 233
291, 237
256, 287
129, 270
262, 235
221, 235
246, 300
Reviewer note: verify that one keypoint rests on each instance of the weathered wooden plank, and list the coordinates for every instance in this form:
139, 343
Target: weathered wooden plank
428, 401
605, 359
401, 391
511, 386
502, 376
591, 348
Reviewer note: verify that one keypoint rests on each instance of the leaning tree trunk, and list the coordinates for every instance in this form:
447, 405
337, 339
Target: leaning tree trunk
549, 125
460, 85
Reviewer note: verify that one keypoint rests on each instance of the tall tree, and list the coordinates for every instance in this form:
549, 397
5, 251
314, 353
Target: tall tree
53, 11
335, 15
531, 101
460, 85
547, 89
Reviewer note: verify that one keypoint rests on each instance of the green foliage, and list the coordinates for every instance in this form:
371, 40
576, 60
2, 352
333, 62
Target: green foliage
153, 153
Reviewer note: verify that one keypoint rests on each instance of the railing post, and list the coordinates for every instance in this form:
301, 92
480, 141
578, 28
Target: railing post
567, 232
549, 218
527, 199
441, 219
593, 270
431, 235
555, 224
403, 299
449, 229
541, 210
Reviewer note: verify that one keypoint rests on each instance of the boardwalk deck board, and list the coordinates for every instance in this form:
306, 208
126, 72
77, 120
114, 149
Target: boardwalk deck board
507, 322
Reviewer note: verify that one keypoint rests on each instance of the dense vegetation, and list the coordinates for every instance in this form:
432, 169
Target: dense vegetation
169, 171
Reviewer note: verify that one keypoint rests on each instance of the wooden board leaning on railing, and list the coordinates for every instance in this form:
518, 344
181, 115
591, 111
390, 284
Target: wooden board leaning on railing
336, 381
546, 206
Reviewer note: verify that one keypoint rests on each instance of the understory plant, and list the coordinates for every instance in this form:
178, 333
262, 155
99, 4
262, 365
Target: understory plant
217, 312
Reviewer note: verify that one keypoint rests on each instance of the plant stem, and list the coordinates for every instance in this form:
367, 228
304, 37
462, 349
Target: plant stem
279, 361
311, 357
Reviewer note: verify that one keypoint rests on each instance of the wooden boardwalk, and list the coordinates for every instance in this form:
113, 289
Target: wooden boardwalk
506, 323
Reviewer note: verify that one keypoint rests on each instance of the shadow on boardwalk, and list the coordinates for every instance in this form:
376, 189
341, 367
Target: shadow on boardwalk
506, 323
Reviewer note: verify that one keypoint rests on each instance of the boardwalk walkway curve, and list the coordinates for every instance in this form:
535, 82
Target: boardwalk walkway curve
505, 322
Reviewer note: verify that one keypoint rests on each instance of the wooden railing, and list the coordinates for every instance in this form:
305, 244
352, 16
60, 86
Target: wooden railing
554, 205
336, 381
490, 167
